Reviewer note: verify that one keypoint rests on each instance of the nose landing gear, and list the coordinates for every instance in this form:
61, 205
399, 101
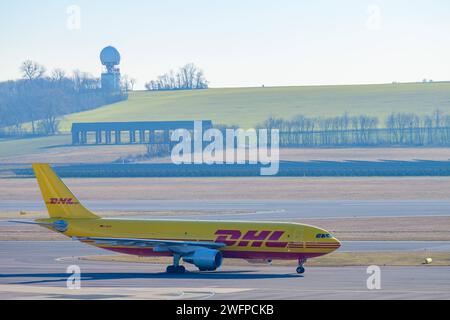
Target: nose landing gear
301, 268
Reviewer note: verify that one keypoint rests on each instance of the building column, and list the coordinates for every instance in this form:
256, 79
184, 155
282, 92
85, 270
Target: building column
151, 136
83, 137
142, 136
75, 137
167, 137
118, 136
108, 137
132, 136
98, 137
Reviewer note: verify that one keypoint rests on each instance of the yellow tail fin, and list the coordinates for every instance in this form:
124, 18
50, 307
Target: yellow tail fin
60, 201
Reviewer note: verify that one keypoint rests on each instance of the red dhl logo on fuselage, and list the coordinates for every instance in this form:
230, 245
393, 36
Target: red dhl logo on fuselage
66, 201
255, 238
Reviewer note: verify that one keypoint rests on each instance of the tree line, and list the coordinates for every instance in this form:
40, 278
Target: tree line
398, 129
40, 99
188, 77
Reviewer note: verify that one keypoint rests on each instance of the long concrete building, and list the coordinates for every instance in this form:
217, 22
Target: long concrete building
147, 132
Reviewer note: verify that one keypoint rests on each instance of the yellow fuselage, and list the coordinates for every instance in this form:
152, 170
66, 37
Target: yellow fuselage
244, 240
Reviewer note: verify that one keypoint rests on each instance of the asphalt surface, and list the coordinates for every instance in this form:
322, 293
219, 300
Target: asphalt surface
377, 246
261, 210
38, 270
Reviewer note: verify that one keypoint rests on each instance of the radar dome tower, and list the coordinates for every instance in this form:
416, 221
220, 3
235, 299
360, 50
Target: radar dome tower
110, 58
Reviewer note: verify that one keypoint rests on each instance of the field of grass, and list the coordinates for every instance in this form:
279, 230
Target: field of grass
53, 151
25, 146
247, 107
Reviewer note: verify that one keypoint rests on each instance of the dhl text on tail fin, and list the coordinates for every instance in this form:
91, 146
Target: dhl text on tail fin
59, 200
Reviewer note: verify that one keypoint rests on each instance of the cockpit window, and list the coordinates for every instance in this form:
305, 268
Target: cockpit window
323, 236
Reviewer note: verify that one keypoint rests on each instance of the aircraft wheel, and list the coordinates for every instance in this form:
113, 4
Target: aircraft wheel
170, 269
300, 270
178, 269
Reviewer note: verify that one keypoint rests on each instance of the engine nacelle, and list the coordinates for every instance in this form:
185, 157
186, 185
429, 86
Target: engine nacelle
205, 259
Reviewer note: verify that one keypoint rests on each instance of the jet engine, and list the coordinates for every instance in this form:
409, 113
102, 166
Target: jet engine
205, 259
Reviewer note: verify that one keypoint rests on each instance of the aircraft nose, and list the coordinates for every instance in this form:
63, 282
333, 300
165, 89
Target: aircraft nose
337, 243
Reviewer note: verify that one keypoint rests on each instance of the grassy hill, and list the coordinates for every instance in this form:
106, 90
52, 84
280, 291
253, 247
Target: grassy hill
24, 146
247, 107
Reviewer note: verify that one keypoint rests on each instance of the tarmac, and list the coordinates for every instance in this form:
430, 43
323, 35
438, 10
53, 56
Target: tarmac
37, 270
260, 210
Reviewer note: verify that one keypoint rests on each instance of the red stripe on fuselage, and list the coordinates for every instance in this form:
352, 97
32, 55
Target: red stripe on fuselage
148, 252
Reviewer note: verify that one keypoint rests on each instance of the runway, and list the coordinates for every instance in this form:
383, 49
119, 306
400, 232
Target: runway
36, 270
260, 210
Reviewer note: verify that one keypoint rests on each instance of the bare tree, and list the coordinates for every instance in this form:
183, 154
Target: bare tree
187, 78
41, 100
32, 70
132, 83
58, 75
125, 82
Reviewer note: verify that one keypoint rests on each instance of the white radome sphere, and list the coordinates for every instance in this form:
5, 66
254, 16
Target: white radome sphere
110, 55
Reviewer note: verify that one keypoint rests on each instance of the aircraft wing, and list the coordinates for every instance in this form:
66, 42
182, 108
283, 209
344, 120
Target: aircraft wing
171, 245
31, 222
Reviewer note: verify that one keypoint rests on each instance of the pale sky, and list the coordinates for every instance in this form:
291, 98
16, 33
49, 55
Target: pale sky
236, 42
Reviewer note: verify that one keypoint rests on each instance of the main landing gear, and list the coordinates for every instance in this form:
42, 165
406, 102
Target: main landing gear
176, 268
301, 267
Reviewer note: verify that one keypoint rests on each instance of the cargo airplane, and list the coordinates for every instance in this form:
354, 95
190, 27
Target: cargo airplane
201, 243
